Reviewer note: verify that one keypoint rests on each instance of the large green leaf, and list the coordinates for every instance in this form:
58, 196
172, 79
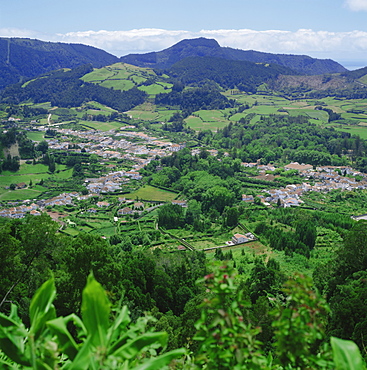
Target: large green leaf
95, 312
160, 361
120, 324
84, 358
135, 346
10, 345
41, 308
12, 337
346, 355
13, 319
66, 341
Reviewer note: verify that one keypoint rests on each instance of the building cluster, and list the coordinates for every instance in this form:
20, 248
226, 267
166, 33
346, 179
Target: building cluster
330, 178
19, 211
110, 182
105, 145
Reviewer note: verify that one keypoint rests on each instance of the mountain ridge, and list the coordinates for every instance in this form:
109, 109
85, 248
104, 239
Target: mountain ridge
23, 58
210, 47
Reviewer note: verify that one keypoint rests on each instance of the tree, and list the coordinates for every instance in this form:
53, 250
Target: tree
10, 250
193, 211
306, 231
232, 217
38, 240
78, 170
170, 216
42, 147
51, 164
218, 197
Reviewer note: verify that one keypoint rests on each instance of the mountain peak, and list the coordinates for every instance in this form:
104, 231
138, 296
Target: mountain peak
198, 42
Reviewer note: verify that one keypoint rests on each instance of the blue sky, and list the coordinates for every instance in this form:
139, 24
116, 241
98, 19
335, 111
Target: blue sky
335, 29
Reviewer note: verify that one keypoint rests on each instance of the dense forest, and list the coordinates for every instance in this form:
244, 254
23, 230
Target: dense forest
191, 100
235, 313
285, 138
243, 75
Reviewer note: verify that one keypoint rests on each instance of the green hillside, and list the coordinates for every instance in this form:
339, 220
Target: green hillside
122, 76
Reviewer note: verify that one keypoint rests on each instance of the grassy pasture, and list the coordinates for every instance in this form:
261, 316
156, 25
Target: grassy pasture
194, 122
71, 231
154, 89
46, 105
165, 115
95, 112
318, 115
144, 115
103, 126
98, 75
31, 169
100, 107
106, 231
148, 192
122, 85
353, 130
138, 79
207, 120
26, 174
35, 135
264, 109
120, 76
20, 194
266, 105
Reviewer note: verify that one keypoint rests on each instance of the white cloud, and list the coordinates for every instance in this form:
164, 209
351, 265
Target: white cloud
132, 41
323, 44
357, 5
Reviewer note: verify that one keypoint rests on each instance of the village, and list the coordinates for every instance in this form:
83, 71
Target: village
329, 178
324, 178
139, 149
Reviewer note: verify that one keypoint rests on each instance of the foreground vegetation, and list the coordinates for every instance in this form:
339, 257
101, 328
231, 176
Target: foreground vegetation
225, 336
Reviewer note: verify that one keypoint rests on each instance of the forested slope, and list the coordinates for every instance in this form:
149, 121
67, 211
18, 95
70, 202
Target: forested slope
21, 59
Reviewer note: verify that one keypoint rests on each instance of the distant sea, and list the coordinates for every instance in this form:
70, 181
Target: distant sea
351, 65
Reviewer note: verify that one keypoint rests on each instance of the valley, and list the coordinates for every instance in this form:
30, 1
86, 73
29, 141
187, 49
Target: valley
109, 197
184, 178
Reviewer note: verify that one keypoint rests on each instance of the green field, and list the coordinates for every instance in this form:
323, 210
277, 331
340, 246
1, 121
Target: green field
27, 173
154, 89
122, 85
21, 194
35, 135
261, 105
120, 76
148, 192
165, 115
103, 126
207, 120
